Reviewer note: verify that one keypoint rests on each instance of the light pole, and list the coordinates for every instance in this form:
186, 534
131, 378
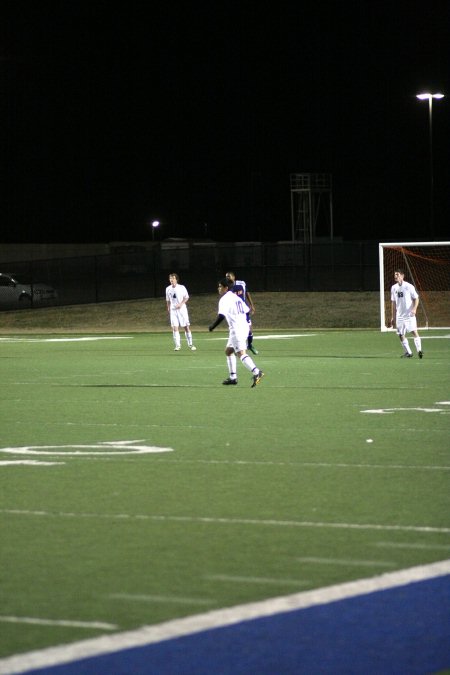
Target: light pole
155, 224
430, 97
155, 253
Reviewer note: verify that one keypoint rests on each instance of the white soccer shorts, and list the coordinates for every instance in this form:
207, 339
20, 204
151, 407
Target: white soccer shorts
179, 317
238, 340
406, 325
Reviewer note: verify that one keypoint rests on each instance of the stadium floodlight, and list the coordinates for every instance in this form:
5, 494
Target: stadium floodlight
429, 97
423, 97
427, 267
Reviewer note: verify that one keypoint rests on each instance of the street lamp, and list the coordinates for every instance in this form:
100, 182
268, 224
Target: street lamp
155, 224
430, 97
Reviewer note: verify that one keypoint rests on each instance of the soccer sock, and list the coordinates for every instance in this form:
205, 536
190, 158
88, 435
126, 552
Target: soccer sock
418, 343
231, 363
248, 362
406, 346
176, 338
250, 338
189, 337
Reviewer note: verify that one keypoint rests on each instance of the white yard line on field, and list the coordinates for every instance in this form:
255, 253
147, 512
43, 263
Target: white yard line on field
59, 622
240, 462
218, 618
74, 339
417, 545
313, 465
226, 521
229, 578
349, 562
270, 337
173, 599
28, 462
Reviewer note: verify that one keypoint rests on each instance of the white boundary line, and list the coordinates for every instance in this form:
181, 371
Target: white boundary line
217, 618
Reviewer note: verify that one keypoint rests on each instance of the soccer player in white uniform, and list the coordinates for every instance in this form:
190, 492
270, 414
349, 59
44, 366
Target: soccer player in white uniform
404, 301
176, 299
240, 288
234, 310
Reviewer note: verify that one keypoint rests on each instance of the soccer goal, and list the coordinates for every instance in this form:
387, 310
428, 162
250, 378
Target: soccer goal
427, 267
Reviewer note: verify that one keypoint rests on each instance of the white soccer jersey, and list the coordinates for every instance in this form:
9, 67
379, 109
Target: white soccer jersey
234, 309
403, 295
176, 294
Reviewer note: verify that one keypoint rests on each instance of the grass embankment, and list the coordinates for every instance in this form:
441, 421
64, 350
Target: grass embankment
273, 311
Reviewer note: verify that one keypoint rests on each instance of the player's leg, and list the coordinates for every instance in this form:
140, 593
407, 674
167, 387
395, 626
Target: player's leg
175, 329
176, 338
417, 343
250, 336
246, 360
183, 317
231, 364
401, 332
188, 334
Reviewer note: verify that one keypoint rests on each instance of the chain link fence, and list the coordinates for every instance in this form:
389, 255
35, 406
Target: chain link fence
143, 272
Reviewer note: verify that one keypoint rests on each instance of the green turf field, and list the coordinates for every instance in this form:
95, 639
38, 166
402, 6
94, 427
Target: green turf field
259, 493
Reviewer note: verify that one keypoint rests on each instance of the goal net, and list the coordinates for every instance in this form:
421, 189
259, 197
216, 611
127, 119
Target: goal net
427, 267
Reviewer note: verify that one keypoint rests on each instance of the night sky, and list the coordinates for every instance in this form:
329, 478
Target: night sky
197, 113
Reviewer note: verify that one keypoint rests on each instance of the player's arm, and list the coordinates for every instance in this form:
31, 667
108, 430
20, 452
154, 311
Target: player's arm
249, 301
219, 319
393, 314
415, 306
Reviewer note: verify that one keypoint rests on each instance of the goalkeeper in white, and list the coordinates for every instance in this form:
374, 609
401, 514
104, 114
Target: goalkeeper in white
404, 301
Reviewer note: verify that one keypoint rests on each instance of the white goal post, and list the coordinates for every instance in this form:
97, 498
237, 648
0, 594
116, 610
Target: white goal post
427, 267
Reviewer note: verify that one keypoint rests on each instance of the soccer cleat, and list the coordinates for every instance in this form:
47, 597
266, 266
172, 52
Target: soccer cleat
192, 348
420, 353
252, 349
406, 356
257, 378
230, 381
177, 349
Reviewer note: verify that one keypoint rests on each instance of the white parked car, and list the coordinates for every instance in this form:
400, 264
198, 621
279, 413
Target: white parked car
15, 293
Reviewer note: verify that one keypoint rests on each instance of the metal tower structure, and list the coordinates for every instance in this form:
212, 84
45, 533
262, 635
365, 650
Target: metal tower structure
311, 206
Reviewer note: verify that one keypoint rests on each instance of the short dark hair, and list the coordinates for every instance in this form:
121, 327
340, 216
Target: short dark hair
174, 274
226, 283
400, 269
